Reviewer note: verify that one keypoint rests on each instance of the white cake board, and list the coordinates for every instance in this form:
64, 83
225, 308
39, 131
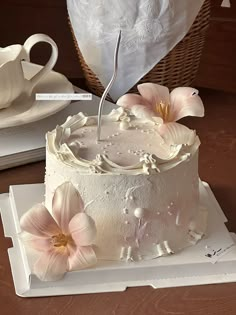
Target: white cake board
189, 267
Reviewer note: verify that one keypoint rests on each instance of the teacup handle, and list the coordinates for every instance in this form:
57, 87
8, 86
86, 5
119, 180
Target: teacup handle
29, 43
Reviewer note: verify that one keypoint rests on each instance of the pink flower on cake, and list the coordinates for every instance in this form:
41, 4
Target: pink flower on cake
156, 103
65, 242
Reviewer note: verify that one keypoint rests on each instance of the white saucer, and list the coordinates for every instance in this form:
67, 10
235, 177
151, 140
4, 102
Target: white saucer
26, 110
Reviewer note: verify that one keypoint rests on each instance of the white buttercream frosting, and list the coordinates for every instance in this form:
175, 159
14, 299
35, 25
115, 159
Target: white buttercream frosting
142, 193
129, 145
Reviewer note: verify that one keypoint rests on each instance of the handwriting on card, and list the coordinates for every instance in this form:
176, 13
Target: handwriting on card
215, 254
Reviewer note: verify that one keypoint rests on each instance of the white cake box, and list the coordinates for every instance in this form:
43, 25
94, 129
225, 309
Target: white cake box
212, 260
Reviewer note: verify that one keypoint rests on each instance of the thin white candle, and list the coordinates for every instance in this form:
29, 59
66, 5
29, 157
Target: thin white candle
109, 86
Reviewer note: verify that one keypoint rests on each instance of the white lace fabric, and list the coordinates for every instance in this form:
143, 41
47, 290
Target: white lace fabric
150, 29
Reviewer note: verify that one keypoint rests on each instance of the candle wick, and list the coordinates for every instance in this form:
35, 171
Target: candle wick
109, 86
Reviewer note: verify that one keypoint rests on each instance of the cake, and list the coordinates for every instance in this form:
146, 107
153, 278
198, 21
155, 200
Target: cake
139, 184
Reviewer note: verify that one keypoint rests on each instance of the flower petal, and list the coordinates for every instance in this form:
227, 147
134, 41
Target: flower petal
129, 100
38, 243
66, 203
82, 229
142, 112
82, 257
174, 133
51, 265
38, 221
185, 102
154, 93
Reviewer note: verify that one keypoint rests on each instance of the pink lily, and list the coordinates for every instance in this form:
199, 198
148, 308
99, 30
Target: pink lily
65, 242
156, 103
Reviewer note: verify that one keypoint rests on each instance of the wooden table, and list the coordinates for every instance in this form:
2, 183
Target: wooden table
217, 166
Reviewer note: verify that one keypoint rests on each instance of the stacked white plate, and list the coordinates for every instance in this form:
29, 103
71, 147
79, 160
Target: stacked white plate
24, 124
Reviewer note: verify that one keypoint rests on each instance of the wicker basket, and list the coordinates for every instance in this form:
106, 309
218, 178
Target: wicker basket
178, 68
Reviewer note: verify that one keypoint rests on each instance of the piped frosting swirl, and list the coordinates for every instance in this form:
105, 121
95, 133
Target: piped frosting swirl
139, 148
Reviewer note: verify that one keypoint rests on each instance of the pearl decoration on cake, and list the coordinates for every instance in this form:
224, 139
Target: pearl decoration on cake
139, 213
125, 211
170, 206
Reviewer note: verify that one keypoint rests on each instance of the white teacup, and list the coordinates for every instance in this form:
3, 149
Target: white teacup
12, 80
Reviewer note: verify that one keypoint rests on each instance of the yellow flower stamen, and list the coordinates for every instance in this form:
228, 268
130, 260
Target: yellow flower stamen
163, 110
60, 240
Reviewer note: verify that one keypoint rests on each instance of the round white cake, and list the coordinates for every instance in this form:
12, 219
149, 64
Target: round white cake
141, 191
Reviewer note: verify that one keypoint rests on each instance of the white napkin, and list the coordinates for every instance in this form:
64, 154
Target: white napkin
150, 29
